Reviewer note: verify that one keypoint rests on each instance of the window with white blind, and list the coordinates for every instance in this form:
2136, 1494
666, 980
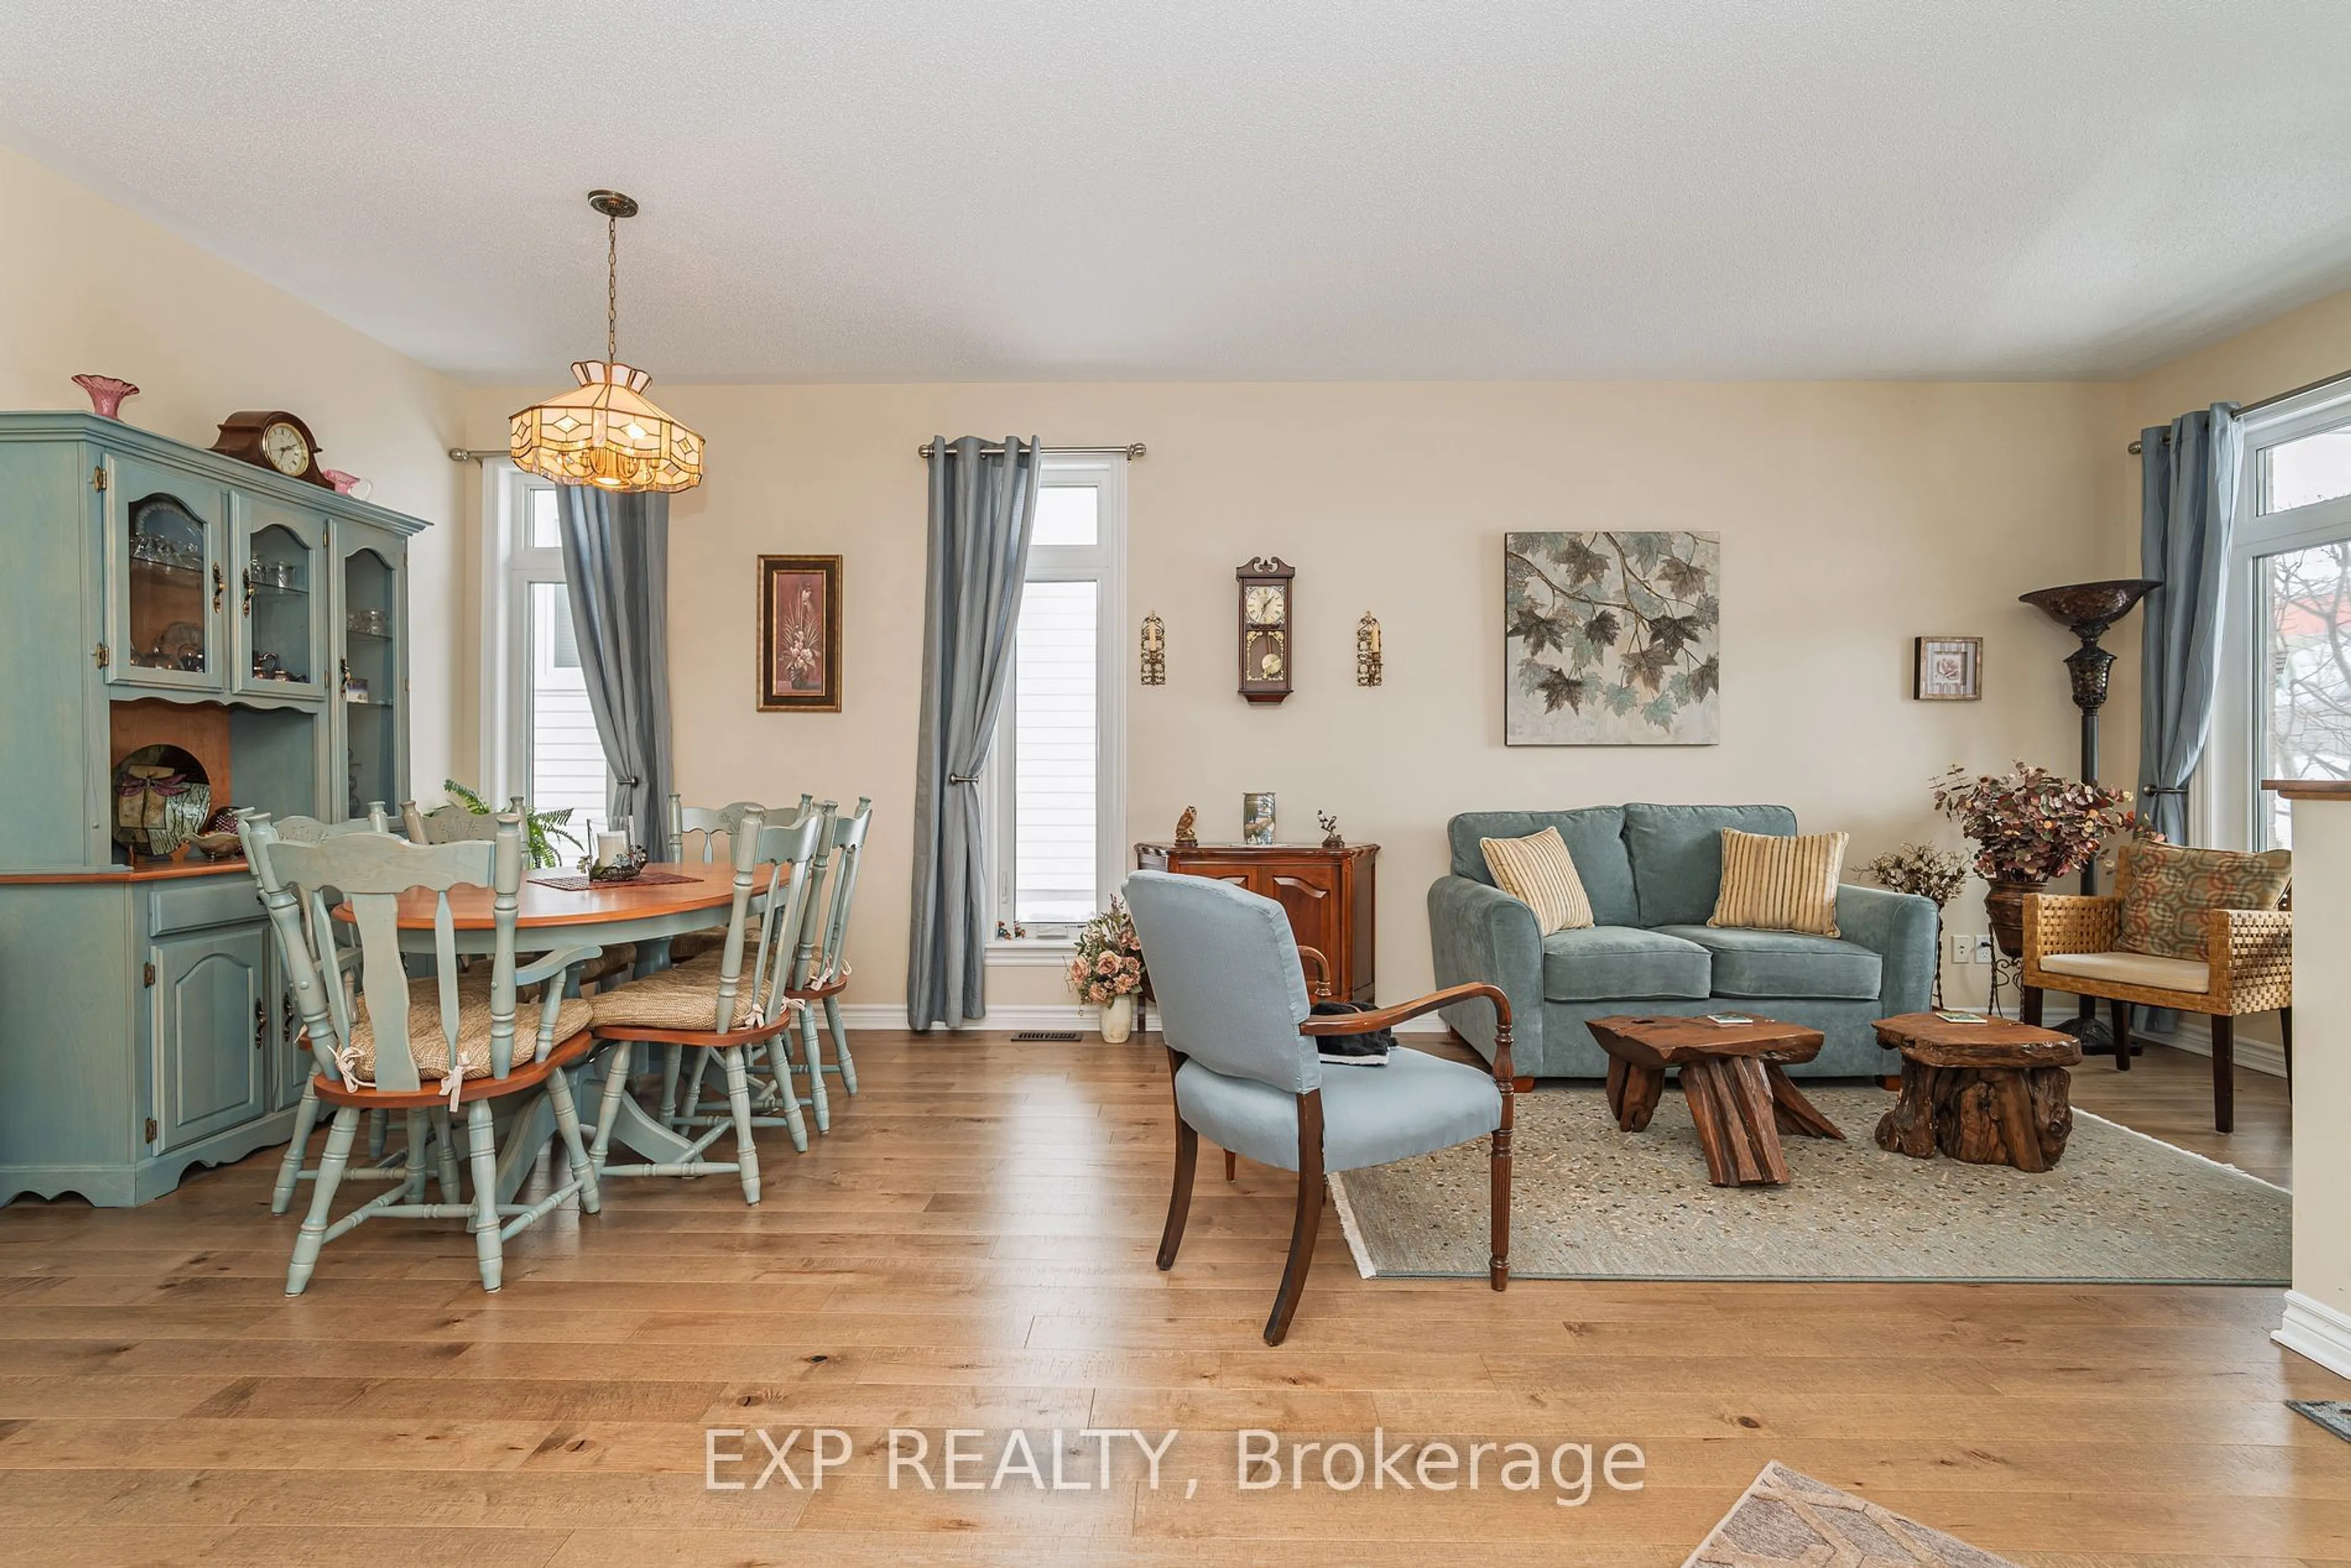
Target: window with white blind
1055, 779
540, 741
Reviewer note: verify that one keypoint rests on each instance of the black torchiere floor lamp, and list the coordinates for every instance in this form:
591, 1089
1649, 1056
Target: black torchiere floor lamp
2087, 609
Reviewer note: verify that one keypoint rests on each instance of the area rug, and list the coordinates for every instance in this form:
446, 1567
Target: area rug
1593, 1202
1790, 1520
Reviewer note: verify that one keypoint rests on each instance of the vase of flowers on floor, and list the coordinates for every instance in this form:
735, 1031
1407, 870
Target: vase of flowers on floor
1107, 969
1934, 874
2030, 827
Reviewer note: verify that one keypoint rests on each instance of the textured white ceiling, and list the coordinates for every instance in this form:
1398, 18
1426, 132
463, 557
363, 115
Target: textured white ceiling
1234, 189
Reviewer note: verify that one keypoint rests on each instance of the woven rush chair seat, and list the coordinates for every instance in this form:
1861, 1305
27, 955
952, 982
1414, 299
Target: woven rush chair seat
430, 1047
692, 945
682, 996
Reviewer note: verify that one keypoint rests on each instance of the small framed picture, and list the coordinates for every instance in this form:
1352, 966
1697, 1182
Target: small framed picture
1948, 669
800, 633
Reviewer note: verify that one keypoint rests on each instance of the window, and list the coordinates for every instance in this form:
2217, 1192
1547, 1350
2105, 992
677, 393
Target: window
2285, 697
1056, 783
539, 740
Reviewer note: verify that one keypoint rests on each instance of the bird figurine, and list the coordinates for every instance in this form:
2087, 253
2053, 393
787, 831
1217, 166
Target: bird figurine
1187, 835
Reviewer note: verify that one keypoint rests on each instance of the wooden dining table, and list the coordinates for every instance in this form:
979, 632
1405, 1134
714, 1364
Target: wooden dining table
608, 915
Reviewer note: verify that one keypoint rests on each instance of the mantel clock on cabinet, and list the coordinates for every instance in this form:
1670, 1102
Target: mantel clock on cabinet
1265, 628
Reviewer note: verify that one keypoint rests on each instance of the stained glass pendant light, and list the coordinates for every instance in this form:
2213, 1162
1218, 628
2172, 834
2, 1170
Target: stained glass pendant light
605, 432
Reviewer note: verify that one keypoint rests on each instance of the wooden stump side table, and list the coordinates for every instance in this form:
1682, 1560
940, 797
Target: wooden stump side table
1740, 1100
1989, 1093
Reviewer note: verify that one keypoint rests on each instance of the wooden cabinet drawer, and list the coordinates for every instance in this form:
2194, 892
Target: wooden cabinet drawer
199, 901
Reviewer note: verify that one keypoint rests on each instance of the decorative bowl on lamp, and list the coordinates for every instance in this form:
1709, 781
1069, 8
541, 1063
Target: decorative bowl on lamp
2030, 827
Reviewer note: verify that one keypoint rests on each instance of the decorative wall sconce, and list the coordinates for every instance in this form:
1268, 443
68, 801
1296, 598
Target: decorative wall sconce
1367, 651
1154, 651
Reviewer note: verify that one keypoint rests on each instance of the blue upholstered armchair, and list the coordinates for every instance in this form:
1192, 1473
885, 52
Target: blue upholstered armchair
1234, 1013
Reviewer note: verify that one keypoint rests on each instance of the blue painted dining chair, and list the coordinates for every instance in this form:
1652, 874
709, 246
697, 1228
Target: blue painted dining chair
724, 1004
704, 836
380, 1046
1239, 1030
821, 967
296, 829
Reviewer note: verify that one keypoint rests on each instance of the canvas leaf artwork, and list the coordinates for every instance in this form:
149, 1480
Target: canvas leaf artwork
1612, 638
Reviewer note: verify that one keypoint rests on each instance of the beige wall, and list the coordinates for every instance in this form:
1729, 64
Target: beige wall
85, 285
1854, 518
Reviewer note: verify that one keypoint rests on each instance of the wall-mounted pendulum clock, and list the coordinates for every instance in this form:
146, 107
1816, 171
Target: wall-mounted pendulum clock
1266, 642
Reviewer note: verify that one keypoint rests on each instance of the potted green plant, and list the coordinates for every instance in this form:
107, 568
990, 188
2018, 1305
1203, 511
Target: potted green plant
2030, 827
1107, 969
540, 829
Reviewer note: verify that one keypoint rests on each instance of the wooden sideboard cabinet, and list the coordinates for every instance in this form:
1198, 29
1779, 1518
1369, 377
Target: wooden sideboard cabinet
157, 593
1329, 895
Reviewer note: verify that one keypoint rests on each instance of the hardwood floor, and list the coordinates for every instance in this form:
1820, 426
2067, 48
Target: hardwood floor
971, 1246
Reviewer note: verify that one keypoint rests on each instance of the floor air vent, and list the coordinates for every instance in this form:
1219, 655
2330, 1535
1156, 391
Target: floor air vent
1046, 1034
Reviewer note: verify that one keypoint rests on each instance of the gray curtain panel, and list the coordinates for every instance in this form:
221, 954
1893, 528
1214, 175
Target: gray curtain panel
983, 509
2188, 477
616, 569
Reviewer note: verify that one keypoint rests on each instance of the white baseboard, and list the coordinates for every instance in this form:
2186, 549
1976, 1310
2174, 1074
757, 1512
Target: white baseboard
2193, 1035
2317, 1330
1049, 1014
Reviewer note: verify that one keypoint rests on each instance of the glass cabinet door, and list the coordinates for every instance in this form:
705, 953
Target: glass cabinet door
368, 676
278, 649
166, 578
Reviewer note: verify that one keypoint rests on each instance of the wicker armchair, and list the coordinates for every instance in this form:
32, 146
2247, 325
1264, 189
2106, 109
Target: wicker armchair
2069, 946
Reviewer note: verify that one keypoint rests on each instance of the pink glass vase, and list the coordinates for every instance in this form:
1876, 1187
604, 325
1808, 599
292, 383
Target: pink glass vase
350, 485
106, 393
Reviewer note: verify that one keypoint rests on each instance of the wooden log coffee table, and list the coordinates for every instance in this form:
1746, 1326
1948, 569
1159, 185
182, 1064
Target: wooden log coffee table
1989, 1093
1739, 1098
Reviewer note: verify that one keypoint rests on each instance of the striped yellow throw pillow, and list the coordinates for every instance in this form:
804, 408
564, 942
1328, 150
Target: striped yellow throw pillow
1538, 872
1774, 884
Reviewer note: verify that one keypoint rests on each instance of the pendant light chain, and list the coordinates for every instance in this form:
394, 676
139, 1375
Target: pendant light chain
611, 287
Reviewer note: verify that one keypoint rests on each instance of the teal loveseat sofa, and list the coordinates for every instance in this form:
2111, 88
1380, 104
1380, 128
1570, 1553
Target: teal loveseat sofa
1652, 873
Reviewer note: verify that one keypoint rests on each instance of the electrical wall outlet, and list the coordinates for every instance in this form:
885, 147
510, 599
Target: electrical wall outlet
1963, 947
1983, 948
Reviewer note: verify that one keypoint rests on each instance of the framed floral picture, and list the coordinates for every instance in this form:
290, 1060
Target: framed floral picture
1947, 669
800, 633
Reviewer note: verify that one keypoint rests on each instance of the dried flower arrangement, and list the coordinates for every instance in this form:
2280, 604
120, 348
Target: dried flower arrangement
2029, 824
1934, 874
1922, 869
1108, 962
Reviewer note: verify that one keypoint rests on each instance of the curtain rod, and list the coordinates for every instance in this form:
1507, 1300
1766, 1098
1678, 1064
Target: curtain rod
2136, 447
994, 449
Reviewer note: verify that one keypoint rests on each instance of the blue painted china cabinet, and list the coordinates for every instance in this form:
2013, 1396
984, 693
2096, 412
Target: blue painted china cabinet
155, 594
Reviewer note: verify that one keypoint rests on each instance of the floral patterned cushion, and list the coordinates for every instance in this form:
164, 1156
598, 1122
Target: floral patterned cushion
2165, 890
